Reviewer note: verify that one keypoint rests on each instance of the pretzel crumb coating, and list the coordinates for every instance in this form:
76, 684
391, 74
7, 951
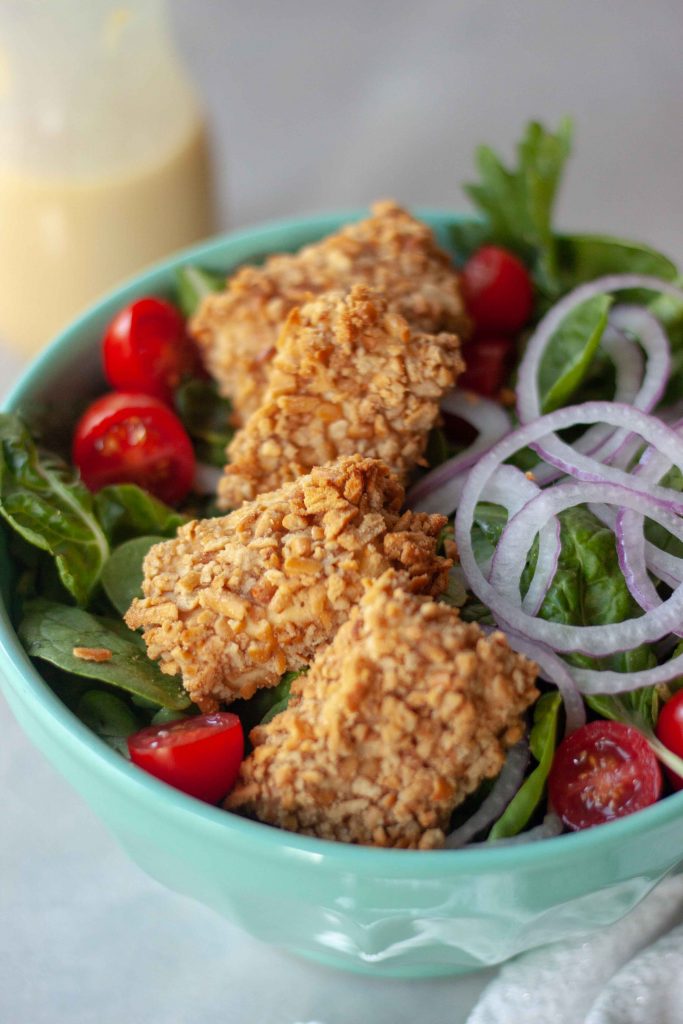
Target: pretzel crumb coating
390, 251
233, 602
349, 376
397, 721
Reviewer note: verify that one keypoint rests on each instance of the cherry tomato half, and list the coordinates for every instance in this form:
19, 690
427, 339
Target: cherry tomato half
498, 290
130, 438
488, 363
603, 770
200, 756
146, 349
670, 732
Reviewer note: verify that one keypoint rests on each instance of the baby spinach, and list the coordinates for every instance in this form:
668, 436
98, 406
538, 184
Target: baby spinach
570, 352
585, 257
51, 631
542, 741
206, 417
122, 574
192, 284
126, 511
42, 498
109, 717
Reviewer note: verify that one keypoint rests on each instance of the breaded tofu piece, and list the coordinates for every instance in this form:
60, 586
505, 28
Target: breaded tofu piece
397, 721
349, 376
390, 251
232, 603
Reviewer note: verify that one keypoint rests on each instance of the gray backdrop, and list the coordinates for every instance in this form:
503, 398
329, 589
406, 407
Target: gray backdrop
315, 105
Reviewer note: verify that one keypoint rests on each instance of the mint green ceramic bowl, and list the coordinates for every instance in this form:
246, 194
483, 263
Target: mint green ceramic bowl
383, 912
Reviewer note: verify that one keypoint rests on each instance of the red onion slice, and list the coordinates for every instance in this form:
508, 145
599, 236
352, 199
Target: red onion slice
528, 399
505, 787
633, 319
440, 490
596, 641
554, 670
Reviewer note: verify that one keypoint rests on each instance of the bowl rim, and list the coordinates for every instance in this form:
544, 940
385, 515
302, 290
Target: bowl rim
30, 687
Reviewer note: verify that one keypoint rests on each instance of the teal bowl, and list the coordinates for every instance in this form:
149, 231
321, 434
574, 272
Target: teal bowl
396, 913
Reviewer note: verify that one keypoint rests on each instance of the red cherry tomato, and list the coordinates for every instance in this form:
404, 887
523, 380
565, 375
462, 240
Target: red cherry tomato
498, 290
670, 732
146, 349
200, 756
488, 362
128, 438
603, 770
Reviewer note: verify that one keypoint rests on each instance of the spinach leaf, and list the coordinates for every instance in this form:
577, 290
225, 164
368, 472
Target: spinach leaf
42, 498
206, 417
585, 257
589, 590
192, 284
109, 717
51, 631
528, 797
517, 204
122, 574
570, 352
126, 511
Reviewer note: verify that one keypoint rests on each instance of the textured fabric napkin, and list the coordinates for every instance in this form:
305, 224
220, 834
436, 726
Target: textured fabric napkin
630, 973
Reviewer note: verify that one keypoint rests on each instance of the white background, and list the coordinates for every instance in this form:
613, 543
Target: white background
316, 106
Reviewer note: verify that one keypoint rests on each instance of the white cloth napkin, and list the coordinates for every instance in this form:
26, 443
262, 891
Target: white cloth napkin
629, 973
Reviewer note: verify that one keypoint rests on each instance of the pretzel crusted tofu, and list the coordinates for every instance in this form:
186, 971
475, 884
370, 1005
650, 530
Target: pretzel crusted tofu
390, 251
397, 721
234, 602
349, 376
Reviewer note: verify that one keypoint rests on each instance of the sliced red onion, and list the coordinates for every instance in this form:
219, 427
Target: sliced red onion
591, 681
629, 528
512, 489
554, 670
628, 362
439, 491
505, 787
633, 319
528, 399
596, 641
666, 567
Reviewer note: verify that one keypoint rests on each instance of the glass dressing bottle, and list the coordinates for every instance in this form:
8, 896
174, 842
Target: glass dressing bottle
104, 164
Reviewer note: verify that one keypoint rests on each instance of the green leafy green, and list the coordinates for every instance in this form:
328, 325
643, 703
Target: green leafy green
517, 204
51, 631
206, 417
570, 352
585, 257
516, 208
192, 284
122, 574
126, 511
108, 716
42, 498
528, 797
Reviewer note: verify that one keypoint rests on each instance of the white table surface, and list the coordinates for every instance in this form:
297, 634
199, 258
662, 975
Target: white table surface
318, 107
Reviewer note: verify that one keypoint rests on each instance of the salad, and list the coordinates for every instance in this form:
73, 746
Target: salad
505, 539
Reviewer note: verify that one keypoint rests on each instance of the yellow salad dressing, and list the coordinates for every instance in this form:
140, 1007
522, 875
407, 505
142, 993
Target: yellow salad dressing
97, 178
